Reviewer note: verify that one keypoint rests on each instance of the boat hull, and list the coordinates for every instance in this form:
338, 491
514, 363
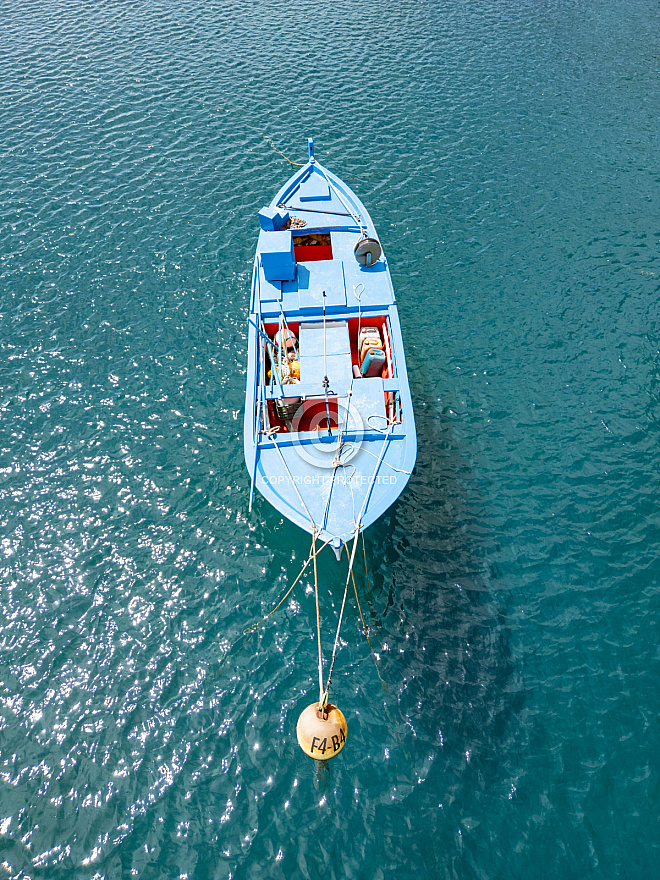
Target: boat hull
332, 450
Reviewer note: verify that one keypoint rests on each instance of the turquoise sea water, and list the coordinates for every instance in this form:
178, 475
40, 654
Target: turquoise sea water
508, 154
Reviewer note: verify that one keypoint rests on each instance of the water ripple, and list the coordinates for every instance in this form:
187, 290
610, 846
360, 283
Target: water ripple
506, 153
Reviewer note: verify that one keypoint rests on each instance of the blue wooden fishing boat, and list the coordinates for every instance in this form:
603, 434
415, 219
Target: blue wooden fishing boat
329, 432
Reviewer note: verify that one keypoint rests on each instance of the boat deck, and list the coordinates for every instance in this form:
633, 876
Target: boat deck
342, 278
331, 459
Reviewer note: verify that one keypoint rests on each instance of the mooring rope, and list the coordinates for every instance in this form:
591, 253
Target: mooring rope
366, 570
313, 554
318, 621
271, 434
270, 143
364, 625
324, 699
358, 528
248, 631
325, 691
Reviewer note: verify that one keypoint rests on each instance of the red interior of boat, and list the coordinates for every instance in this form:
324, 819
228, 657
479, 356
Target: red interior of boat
306, 254
379, 321
271, 329
311, 416
315, 246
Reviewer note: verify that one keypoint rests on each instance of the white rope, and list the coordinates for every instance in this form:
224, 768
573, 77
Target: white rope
326, 381
324, 698
373, 455
356, 532
290, 335
271, 434
358, 297
336, 461
318, 621
380, 458
355, 217
254, 626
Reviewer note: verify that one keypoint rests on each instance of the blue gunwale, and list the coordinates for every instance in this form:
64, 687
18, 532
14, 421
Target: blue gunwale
293, 470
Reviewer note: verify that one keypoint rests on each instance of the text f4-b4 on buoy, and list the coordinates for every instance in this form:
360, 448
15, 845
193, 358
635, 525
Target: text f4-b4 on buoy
321, 731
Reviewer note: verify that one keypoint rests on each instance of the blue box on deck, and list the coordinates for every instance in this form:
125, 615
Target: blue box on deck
277, 259
272, 219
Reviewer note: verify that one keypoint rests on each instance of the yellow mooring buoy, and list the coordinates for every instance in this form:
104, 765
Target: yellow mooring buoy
321, 732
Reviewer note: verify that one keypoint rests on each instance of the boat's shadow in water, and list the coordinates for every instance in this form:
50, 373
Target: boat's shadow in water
438, 625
